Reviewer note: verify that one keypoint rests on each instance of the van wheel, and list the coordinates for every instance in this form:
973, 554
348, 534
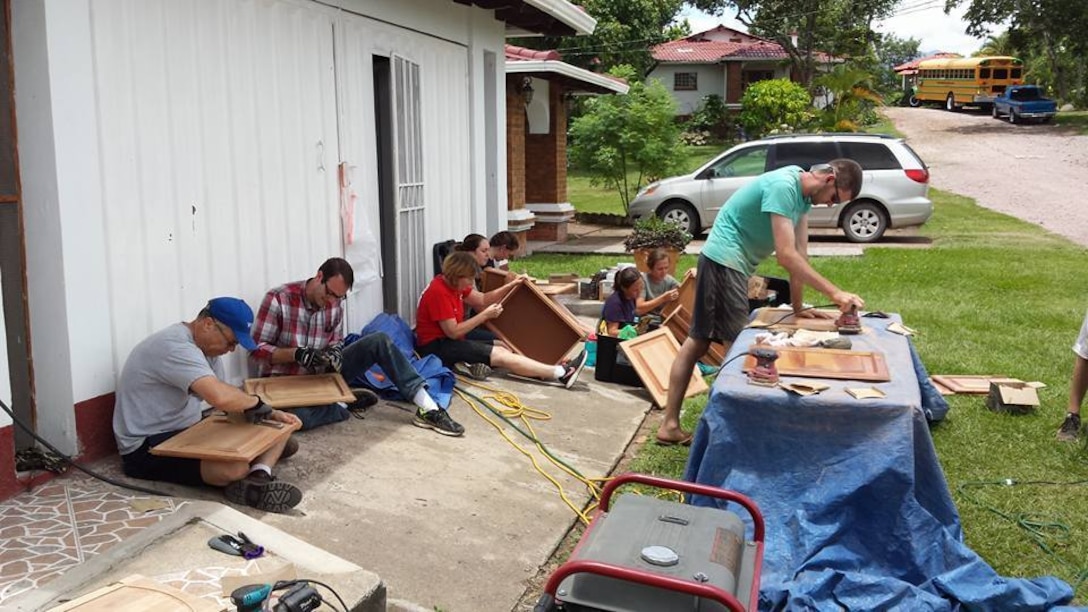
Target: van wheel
914, 101
682, 214
950, 102
864, 222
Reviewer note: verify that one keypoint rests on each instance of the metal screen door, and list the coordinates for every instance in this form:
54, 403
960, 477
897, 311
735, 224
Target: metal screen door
412, 252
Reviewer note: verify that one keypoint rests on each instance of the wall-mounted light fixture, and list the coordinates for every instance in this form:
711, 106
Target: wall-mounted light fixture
526, 90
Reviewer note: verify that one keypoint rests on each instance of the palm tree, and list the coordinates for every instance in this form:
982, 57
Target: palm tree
848, 87
996, 45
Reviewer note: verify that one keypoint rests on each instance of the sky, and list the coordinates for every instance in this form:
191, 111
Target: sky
921, 19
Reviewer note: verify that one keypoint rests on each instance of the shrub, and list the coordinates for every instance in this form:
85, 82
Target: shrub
777, 104
653, 232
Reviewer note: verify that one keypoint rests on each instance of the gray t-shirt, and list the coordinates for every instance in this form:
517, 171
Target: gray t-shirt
153, 396
651, 290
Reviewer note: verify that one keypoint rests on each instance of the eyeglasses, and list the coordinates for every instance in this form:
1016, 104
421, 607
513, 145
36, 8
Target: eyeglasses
230, 342
835, 196
829, 169
333, 293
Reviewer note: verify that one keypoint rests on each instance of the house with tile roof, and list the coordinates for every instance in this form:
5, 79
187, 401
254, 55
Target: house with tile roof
719, 61
538, 87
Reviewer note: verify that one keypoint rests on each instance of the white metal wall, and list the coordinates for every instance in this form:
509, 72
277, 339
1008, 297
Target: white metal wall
218, 152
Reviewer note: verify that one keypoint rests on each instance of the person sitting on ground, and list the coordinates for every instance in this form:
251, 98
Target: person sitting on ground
298, 331
163, 382
1078, 387
659, 287
441, 327
621, 307
503, 246
480, 249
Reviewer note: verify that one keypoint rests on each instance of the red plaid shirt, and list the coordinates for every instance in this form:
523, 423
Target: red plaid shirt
287, 320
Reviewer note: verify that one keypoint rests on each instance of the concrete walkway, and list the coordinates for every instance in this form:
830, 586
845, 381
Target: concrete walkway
390, 510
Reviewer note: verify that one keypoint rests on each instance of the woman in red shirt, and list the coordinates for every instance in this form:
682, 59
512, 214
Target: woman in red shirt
441, 325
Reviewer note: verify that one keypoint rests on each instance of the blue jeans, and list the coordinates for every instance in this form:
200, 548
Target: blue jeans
359, 357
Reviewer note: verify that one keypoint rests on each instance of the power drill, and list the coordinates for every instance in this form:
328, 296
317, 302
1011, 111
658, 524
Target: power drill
300, 597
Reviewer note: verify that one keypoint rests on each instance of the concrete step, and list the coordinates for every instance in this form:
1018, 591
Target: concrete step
175, 552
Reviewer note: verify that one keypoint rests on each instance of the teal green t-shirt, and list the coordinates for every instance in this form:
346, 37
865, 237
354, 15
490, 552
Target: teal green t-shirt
741, 236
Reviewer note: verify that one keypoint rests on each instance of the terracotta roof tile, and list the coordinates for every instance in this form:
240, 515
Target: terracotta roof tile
514, 53
913, 64
711, 52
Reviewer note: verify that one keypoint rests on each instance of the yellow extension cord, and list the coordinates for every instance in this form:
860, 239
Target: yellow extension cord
511, 408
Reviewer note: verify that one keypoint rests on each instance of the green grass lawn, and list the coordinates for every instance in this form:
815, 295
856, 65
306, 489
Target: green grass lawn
587, 198
993, 295
1075, 119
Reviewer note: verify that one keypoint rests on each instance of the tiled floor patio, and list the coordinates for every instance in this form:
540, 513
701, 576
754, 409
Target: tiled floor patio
63, 523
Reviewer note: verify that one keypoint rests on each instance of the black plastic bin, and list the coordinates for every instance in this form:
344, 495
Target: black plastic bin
612, 364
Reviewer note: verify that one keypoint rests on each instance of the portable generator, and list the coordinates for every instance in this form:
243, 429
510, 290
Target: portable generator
645, 554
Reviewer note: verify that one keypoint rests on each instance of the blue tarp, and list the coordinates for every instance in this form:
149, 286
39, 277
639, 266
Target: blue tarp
439, 379
857, 510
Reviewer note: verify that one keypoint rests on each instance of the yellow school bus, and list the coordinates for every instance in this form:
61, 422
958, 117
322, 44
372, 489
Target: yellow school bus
965, 80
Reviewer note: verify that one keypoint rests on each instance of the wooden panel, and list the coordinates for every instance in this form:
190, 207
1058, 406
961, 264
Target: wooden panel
492, 279
828, 363
218, 439
652, 356
136, 593
678, 318
970, 384
532, 325
778, 317
299, 391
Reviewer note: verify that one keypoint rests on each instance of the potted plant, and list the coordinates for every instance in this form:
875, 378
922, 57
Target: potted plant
652, 232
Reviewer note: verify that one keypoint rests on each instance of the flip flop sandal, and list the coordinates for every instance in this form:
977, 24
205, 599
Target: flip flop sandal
685, 442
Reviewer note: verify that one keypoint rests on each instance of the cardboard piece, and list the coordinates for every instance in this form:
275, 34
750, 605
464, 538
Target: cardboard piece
264, 571
216, 438
137, 593
898, 328
534, 326
828, 363
969, 383
652, 355
1017, 398
299, 391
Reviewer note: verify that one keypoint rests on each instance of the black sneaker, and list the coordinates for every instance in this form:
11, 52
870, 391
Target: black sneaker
1070, 429
261, 491
438, 420
364, 398
573, 368
475, 371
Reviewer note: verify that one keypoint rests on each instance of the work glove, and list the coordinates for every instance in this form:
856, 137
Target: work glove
258, 413
311, 359
333, 356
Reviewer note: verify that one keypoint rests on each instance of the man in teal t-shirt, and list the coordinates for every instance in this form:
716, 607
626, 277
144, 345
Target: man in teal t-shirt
768, 215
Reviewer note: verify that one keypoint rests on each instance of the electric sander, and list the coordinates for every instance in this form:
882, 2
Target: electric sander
849, 323
764, 373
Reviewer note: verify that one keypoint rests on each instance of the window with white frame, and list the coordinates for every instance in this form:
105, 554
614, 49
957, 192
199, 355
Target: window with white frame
685, 81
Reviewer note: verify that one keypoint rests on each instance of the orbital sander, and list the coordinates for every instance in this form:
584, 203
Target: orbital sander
764, 373
849, 323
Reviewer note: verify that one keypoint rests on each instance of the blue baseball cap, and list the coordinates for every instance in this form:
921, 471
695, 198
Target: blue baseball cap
237, 315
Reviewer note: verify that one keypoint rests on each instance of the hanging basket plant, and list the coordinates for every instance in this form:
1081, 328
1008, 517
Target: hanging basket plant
653, 232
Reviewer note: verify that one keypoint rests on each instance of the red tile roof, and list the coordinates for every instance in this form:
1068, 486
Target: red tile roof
514, 53
711, 52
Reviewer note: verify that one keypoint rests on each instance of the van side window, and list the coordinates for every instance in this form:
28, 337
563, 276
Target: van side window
871, 155
804, 154
750, 162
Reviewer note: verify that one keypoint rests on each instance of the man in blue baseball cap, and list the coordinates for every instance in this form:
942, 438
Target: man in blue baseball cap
165, 378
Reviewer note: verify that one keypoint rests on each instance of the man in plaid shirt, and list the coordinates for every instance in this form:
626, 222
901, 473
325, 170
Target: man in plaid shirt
298, 332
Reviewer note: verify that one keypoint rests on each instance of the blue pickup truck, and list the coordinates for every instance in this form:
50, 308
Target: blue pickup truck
1022, 102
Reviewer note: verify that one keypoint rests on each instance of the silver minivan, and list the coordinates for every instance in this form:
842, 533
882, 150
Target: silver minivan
894, 192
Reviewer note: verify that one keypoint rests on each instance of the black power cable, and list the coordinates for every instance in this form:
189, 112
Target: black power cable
72, 462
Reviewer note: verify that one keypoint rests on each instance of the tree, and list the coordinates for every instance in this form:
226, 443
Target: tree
892, 51
997, 45
839, 27
620, 136
849, 88
1048, 35
626, 31
775, 104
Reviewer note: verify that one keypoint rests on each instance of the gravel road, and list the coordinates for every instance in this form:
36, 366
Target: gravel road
1038, 173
